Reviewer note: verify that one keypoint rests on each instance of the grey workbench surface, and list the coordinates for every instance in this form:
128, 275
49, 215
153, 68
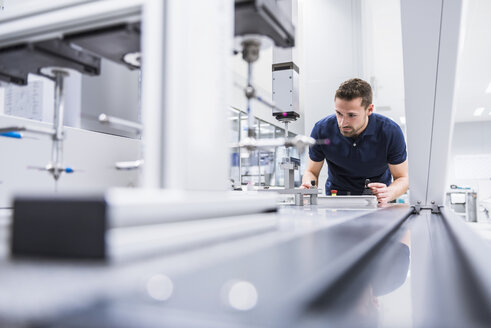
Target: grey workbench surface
42, 289
311, 266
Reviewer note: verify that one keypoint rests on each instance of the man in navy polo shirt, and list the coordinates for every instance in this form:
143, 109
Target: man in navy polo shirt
359, 145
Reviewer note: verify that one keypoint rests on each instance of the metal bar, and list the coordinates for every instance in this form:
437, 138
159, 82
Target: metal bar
111, 120
451, 286
250, 117
28, 128
450, 272
298, 141
274, 159
262, 100
57, 147
239, 148
135, 207
75, 18
153, 93
258, 156
129, 165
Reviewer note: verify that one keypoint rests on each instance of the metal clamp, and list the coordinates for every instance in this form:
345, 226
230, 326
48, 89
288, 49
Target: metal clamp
435, 209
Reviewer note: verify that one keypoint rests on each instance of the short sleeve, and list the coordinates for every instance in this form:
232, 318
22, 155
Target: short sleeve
397, 153
315, 152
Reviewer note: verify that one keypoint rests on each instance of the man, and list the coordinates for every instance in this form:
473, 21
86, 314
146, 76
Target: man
359, 145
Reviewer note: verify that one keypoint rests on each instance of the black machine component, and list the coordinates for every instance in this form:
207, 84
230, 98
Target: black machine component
367, 190
286, 116
59, 228
294, 160
79, 51
264, 17
119, 43
16, 62
285, 66
83, 226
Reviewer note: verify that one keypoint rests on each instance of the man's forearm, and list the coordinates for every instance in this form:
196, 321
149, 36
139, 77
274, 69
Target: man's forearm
308, 176
399, 186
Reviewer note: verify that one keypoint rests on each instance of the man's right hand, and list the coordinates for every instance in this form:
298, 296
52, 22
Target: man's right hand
311, 174
306, 185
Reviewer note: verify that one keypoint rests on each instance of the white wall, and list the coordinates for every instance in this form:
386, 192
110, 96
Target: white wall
471, 144
472, 138
331, 54
470, 159
382, 56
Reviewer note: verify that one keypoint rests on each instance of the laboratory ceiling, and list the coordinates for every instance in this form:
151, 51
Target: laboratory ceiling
385, 70
474, 71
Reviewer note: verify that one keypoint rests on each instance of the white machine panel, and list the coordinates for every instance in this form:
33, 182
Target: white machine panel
285, 90
92, 155
430, 31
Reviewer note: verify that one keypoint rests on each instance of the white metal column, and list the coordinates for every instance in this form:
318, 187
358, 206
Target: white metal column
186, 143
430, 31
153, 50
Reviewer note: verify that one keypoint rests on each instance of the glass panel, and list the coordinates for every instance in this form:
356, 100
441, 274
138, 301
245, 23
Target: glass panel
249, 161
235, 121
258, 168
267, 157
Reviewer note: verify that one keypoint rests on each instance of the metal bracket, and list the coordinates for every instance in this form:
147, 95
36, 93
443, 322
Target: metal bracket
435, 209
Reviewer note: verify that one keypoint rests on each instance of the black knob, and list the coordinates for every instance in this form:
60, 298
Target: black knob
312, 182
367, 191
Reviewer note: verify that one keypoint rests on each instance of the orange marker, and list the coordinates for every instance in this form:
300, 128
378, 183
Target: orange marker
334, 192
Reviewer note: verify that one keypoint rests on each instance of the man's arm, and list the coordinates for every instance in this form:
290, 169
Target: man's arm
397, 187
311, 173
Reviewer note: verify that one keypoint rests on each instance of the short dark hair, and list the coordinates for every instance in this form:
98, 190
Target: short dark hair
354, 88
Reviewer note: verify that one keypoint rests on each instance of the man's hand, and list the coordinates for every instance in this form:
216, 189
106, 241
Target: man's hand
384, 194
306, 185
311, 173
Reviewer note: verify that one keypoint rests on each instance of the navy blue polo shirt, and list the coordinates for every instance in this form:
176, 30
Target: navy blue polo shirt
352, 160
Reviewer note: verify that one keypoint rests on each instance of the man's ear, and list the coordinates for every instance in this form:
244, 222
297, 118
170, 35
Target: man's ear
370, 109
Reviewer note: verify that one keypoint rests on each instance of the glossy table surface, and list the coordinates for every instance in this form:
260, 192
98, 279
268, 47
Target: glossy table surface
310, 266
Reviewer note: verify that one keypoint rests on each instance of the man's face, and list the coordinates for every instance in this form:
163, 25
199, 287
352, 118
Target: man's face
352, 116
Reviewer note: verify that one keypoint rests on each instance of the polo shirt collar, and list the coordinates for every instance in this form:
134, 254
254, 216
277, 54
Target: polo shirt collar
371, 126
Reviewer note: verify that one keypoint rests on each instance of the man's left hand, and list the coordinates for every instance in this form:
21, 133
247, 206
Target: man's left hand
383, 193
